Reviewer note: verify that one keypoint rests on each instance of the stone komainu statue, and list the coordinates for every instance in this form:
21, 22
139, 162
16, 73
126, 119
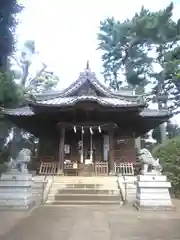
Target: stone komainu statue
149, 163
21, 161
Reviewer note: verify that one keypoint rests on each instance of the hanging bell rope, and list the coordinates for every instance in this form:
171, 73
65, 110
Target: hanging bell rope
75, 129
82, 130
91, 131
89, 127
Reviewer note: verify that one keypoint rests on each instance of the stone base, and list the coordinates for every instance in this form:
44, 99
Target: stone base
154, 208
153, 193
16, 191
60, 172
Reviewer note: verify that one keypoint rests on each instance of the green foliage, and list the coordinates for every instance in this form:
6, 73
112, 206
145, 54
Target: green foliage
125, 46
119, 57
169, 155
172, 130
8, 15
10, 94
156, 134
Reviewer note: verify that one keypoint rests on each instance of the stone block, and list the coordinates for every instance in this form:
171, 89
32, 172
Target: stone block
151, 177
153, 184
16, 191
153, 193
16, 176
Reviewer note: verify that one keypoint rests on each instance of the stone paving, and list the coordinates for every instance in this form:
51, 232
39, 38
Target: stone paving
90, 222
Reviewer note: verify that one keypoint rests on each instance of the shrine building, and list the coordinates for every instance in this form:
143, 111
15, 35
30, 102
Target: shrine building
87, 128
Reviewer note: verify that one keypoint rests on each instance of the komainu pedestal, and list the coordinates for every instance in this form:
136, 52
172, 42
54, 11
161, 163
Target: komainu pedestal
16, 184
153, 193
16, 191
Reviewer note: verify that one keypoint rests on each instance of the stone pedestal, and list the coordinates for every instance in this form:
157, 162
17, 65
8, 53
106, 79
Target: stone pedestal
153, 193
16, 191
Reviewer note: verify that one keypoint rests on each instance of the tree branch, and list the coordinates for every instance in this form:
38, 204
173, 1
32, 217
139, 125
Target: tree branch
17, 62
38, 74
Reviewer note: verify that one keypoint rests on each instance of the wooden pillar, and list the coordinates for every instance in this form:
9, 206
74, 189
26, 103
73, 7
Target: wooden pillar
111, 151
61, 149
138, 143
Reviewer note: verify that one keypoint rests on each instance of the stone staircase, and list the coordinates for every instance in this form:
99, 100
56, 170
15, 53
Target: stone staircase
127, 187
37, 190
84, 191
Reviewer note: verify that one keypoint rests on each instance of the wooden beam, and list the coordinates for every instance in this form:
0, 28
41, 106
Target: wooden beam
61, 149
111, 150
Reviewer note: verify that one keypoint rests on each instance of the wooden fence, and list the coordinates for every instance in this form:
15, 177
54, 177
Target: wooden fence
48, 168
101, 168
126, 169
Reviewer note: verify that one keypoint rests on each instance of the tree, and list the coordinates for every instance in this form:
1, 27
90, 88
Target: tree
172, 130
126, 45
8, 15
114, 42
22, 65
168, 153
9, 92
156, 134
28, 84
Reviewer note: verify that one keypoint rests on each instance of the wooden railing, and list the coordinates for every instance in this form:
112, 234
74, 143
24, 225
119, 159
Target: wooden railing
48, 168
126, 169
101, 168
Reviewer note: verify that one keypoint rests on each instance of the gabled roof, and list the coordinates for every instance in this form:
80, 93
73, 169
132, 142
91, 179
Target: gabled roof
86, 76
93, 91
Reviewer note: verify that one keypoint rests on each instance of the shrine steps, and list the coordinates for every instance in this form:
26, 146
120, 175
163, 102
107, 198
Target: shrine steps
84, 191
127, 186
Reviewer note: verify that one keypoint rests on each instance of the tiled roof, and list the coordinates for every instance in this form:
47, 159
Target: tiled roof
85, 76
23, 111
26, 111
66, 101
147, 112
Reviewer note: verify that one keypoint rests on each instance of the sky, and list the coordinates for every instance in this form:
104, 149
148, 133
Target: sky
65, 31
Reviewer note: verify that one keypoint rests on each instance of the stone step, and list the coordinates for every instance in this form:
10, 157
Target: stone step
85, 191
83, 197
13, 207
75, 203
79, 185
84, 186
85, 180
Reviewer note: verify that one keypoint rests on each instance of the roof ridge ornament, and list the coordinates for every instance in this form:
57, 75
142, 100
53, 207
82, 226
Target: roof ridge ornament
87, 65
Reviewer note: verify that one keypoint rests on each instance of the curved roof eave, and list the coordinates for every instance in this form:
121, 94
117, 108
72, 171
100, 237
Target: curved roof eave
87, 75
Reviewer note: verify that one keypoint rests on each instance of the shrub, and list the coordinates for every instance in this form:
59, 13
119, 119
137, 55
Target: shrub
169, 155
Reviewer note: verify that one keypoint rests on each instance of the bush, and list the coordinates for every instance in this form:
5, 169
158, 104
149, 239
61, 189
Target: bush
3, 168
169, 155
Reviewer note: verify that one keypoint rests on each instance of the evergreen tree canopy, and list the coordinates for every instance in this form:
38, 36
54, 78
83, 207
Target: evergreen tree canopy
8, 21
125, 48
